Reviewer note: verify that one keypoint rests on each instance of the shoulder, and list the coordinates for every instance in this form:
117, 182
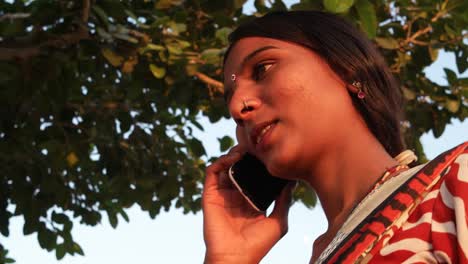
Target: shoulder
451, 165
454, 185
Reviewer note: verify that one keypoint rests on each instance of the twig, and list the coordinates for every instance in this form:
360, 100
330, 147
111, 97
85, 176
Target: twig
85, 11
420, 43
418, 33
413, 38
12, 16
210, 81
62, 41
439, 13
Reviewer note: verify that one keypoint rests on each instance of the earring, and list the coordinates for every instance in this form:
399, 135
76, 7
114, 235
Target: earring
233, 77
360, 94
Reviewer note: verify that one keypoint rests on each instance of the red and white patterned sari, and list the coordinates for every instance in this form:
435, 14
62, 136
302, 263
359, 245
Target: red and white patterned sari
421, 219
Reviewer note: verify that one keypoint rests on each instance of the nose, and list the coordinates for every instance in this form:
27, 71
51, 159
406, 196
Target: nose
243, 107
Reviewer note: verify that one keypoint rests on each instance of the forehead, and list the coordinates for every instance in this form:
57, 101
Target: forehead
246, 46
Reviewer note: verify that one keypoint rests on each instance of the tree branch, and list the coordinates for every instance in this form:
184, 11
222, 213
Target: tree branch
12, 16
413, 38
418, 33
62, 41
219, 87
85, 11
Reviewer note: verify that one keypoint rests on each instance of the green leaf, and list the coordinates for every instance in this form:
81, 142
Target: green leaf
112, 219
451, 76
438, 129
165, 4
338, 6
461, 57
152, 46
126, 37
211, 56
78, 249
174, 49
197, 124
29, 226
60, 251
47, 239
174, 29
434, 53
239, 3
101, 14
408, 94
72, 159
124, 215
113, 58
191, 69
452, 105
278, 5
225, 143
59, 218
4, 223
450, 32
368, 17
309, 198
260, 6
157, 72
387, 43
196, 147
222, 35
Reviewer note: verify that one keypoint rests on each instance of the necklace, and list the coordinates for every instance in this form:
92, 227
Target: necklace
388, 177
388, 174
404, 158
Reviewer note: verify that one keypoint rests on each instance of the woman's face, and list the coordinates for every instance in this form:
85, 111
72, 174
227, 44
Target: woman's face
288, 104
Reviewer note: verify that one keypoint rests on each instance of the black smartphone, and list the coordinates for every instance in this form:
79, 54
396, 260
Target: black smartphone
255, 183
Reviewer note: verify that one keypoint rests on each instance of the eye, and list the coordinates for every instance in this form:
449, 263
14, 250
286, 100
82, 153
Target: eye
260, 69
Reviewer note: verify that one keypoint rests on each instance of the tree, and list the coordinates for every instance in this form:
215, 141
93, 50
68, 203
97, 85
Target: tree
99, 99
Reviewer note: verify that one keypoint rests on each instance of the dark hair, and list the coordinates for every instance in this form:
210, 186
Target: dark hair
350, 54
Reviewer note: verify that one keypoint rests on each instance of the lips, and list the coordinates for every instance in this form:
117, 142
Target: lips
260, 130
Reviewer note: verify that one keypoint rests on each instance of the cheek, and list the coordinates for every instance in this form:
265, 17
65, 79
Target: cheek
241, 137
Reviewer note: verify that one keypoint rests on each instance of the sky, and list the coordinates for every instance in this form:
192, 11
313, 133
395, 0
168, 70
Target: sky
173, 237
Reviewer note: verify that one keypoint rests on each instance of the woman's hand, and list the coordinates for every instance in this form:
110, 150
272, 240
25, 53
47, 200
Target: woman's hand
234, 232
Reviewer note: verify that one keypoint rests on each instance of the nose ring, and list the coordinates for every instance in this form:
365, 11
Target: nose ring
245, 104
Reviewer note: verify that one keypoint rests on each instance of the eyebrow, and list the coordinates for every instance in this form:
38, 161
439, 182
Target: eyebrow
228, 92
254, 53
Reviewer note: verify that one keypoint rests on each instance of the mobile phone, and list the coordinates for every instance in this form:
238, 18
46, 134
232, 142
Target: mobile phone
255, 183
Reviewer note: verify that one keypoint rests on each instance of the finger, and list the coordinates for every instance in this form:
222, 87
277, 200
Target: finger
241, 148
220, 165
224, 182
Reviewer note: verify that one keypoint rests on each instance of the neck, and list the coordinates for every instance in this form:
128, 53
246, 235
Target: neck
344, 174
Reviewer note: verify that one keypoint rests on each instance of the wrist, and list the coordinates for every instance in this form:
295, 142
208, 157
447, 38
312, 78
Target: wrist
227, 259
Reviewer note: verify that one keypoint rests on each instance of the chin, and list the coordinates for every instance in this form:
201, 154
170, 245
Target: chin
281, 167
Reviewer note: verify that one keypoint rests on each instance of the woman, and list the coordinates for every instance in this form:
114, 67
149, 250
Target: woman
315, 102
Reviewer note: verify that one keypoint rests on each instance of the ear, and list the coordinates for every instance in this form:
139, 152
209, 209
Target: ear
354, 87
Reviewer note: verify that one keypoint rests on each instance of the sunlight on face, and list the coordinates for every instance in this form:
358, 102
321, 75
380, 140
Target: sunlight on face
287, 102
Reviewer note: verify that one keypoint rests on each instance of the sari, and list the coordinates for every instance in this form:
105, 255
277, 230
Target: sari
420, 217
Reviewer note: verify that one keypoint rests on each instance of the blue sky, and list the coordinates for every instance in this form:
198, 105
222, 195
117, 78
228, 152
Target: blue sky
176, 238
